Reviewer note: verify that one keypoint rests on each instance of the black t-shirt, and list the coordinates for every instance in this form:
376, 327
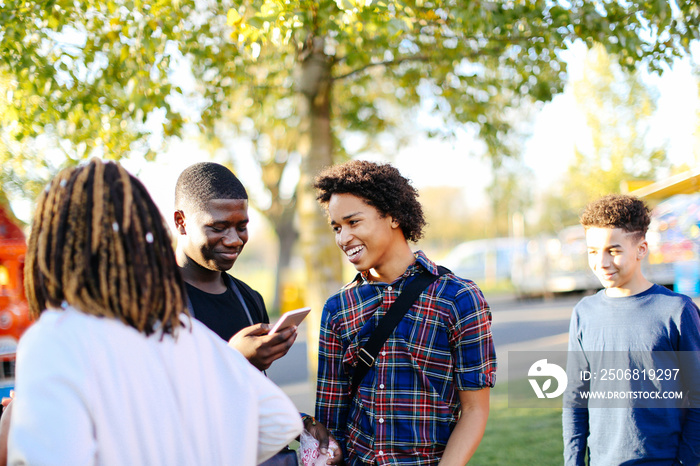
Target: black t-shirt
223, 313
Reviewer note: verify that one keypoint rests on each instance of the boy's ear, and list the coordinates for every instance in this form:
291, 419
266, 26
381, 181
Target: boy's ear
179, 217
642, 249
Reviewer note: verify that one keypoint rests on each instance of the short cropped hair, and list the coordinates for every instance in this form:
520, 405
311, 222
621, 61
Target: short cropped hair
381, 186
617, 211
99, 244
205, 181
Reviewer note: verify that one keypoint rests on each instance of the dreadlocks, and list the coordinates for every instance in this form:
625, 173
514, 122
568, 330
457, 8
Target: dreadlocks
99, 244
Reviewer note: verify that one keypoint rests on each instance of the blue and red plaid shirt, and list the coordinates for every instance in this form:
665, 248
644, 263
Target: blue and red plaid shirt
408, 403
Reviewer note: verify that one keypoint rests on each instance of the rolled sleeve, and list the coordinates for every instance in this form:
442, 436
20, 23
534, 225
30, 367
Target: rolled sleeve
472, 341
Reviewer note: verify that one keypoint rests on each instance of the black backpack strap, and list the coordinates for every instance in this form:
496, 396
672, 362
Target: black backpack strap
368, 352
249, 296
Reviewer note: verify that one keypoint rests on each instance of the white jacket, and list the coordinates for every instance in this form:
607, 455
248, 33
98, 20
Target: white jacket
93, 391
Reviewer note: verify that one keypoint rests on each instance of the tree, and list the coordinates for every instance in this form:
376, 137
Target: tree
92, 73
471, 59
510, 196
274, 150
451, 218
617, 107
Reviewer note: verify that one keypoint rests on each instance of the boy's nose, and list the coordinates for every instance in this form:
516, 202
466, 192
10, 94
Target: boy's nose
604, 260
231, 238
343, 238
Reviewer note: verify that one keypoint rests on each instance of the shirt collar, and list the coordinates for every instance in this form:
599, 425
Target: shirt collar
421, 263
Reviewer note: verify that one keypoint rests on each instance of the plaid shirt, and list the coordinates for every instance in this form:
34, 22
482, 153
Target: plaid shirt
408, 404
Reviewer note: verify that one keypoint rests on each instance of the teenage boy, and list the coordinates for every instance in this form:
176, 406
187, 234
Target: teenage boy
211, 217
425, 398
633, 317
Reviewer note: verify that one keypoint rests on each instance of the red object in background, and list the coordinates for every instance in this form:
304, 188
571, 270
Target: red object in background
14, 310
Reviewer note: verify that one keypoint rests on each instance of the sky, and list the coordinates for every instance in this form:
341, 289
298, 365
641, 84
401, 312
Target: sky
558, 126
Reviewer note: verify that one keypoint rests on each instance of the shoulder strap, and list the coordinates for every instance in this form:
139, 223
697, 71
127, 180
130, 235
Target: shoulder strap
238, 294
239, 288
246, 295
387, 324
252, 296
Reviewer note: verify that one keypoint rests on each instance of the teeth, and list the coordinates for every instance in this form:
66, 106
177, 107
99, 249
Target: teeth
353, 251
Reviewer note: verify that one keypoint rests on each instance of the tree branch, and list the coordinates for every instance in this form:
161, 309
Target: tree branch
398, 61
394, 62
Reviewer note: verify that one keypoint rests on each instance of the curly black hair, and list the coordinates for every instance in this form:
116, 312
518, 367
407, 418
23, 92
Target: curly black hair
617, 211
381, 186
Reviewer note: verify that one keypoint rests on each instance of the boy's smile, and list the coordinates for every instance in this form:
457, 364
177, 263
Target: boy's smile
371, 241
214, 236
353, 252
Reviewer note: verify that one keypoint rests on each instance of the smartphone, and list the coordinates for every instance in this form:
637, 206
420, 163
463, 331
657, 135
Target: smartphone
290, 318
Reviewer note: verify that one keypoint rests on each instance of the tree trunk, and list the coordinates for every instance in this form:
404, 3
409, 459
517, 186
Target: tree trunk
321, 255
287, 236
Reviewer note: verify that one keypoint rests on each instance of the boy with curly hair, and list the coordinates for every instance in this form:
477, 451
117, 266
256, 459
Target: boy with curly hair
633, 317
425, 397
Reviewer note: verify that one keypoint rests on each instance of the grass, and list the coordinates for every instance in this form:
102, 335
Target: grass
519, 436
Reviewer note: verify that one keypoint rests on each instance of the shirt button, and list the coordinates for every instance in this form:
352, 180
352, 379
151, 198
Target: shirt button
383, 353
381, 385
389, 288
381, 420
380, 453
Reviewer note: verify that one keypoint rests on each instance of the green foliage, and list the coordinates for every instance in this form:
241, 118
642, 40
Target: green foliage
81, 78
88, 75
472, 58
617, 108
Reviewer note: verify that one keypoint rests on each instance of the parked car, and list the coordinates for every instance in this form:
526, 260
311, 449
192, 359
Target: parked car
485, 261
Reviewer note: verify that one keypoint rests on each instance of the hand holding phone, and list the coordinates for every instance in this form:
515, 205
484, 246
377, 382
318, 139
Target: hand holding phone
290, 318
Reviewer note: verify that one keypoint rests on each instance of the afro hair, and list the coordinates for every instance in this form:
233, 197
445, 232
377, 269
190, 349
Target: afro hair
381, 186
